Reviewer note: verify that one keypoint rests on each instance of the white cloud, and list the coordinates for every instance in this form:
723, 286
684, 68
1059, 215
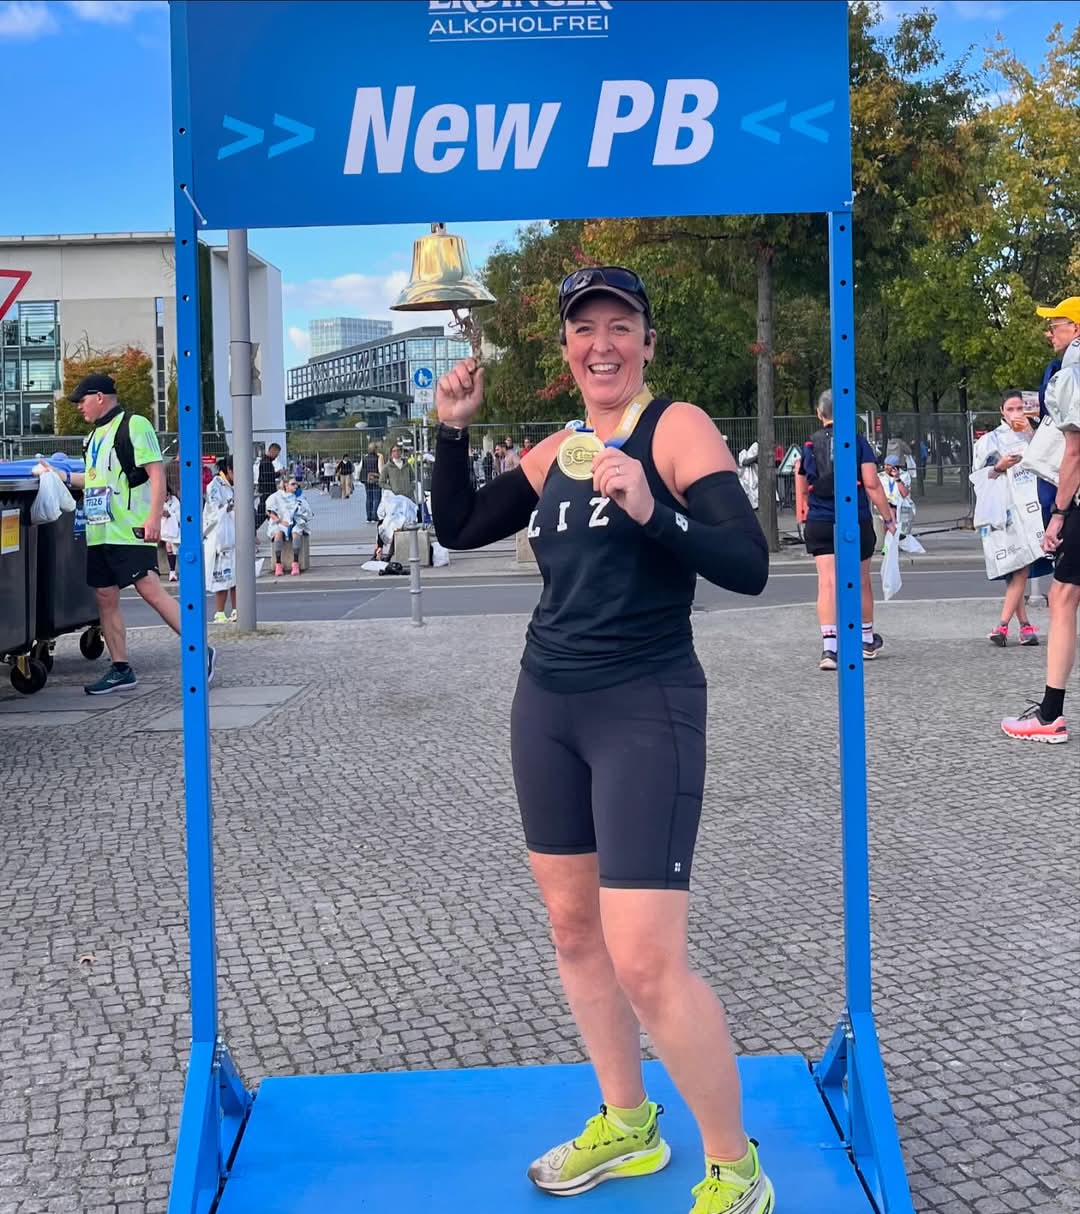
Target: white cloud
26, 19
977, 10
351, 295
111, 12
301, 340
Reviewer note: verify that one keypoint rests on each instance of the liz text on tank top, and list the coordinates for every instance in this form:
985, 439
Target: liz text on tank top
614, 601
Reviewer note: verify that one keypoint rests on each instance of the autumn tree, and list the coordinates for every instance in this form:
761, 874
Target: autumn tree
132, 369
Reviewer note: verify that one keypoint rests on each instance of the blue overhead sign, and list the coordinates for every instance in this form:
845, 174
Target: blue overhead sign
309, 113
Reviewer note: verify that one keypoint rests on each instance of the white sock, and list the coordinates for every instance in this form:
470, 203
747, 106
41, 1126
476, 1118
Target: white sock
828, 637
868, 633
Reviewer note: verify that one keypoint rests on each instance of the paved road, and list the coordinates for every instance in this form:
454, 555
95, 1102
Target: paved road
376, 912
514, 594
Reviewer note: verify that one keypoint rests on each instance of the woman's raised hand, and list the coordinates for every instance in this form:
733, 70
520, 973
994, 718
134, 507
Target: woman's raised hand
459, 393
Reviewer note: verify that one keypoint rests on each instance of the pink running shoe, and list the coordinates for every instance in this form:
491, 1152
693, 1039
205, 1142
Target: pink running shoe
999, 636
1029, 634
1031, 727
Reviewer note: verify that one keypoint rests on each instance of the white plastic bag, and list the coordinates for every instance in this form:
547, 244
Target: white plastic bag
991, 499
374, 566
440, 556
1045, 451
908, 543
891, 581
53, 499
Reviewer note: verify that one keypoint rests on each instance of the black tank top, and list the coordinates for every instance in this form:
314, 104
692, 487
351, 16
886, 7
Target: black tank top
615, 603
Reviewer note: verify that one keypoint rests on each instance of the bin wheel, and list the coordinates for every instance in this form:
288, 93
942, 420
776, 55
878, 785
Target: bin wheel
43, 653
92, 644
27, 685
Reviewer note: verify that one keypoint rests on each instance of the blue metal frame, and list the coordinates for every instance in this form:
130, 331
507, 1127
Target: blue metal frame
215, 1101
850, 1076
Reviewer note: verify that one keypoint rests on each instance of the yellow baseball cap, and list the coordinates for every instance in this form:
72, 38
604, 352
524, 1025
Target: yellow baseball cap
1068, 308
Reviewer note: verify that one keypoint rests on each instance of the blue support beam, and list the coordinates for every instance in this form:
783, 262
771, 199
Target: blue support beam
215, 1102
851, 1076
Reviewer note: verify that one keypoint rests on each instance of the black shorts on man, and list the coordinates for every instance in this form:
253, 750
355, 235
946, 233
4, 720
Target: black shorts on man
119, 564
820, 538
1067, 563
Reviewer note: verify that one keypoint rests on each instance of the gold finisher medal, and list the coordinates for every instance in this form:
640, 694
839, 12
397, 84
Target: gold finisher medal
576, 455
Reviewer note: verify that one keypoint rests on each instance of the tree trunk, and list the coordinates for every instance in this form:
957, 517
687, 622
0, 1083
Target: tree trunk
766, 399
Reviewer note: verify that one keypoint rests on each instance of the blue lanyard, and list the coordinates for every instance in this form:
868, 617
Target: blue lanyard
629, 420
95, 450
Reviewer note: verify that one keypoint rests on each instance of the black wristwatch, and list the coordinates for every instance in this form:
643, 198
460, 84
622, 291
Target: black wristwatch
453, 433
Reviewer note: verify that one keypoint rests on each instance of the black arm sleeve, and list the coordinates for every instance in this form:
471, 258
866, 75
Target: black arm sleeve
721, 539
465, 518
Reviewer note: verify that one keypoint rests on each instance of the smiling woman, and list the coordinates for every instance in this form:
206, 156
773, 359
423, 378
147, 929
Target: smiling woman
608, 724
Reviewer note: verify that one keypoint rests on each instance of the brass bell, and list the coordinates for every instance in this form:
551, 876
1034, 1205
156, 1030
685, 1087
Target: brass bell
442, 276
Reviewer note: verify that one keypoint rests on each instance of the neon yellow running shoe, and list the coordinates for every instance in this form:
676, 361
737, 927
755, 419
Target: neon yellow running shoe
605, 1150
725, 1192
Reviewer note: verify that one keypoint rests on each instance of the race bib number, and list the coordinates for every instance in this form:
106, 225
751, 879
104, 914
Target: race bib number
97, 507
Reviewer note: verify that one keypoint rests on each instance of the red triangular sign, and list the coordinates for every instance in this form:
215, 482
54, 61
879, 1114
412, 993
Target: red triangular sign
22, 277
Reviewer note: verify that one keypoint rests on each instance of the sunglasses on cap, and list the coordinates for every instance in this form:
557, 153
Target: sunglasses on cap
617, 278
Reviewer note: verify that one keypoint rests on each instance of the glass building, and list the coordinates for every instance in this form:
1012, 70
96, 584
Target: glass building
29, 367
381, 370
339, 332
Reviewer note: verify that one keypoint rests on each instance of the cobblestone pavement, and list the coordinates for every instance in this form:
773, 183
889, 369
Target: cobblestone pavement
375, 910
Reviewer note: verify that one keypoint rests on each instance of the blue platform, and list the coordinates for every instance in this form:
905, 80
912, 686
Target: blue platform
458, 1142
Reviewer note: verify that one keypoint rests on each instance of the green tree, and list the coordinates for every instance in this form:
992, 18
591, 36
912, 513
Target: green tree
172, 417
132, 369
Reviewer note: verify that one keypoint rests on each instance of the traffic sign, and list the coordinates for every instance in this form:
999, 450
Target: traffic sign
656, 106
423, 377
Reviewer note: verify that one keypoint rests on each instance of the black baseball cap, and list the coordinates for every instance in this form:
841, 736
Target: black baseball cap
606, 280
105, 384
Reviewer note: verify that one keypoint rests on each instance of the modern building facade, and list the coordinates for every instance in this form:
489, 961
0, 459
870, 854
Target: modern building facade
376, 376
61, 296
334, 333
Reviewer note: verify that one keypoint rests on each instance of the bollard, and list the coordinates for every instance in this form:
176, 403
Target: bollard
415, 590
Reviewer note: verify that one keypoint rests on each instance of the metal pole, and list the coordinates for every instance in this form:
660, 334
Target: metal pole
415, 592
849, 623
243, 445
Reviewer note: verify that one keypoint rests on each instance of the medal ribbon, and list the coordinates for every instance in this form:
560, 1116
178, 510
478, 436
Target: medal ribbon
627, 423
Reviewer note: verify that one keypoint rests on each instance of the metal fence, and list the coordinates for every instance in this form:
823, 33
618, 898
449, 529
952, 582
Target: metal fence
940, 444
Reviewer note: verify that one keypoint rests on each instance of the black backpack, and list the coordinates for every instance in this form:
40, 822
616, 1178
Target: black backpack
124, 449
822, 443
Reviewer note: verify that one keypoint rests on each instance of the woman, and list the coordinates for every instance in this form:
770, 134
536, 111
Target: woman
170, 517
1001, 451
896, 482
288, 521
608, 723
219, 540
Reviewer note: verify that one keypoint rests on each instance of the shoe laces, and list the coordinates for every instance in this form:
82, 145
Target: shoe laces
1033, 712
722, 1185
602, 1131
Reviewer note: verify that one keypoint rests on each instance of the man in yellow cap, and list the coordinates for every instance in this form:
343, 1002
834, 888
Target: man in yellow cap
1045, 721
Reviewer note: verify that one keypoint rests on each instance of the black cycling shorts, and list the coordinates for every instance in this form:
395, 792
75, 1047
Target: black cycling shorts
119, 564
619, 772
1067, 560
820, 538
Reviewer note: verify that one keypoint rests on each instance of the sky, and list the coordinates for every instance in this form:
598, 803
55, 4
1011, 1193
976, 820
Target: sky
87, 143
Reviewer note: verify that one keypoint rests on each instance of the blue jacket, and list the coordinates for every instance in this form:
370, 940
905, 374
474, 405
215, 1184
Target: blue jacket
823, 509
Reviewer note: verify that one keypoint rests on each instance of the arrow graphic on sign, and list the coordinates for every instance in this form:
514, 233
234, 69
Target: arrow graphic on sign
22, 277
254, 135
800, 122
251, 136
751, 123
301, 134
